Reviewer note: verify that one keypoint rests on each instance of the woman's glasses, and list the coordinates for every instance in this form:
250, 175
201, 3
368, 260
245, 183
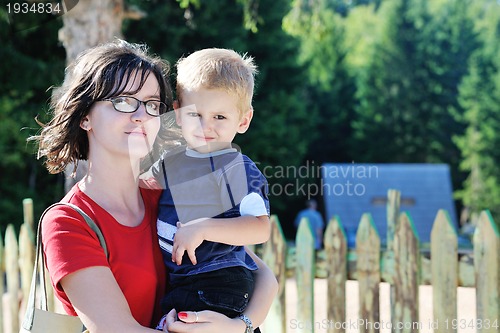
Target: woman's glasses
129, 104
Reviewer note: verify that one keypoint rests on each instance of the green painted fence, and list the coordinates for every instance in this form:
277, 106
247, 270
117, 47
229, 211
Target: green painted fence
405, 265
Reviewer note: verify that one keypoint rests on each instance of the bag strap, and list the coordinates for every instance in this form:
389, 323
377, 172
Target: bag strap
90, 223
39, 268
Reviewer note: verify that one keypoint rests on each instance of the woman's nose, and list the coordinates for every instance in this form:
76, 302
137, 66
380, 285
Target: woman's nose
140, 114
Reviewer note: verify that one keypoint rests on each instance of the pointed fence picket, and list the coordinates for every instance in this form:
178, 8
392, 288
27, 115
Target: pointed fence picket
2, 283
487, 268
444, 251
12, 274
368, 267
406, 276
305, 273
273, 254
336, 262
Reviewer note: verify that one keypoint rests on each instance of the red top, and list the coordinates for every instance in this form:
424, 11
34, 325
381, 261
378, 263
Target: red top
134, 255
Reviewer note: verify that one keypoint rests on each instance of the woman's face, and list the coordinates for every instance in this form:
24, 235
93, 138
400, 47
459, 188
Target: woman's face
119, 134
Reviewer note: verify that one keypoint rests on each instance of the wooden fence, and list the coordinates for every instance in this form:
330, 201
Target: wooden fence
17, 258
401, 264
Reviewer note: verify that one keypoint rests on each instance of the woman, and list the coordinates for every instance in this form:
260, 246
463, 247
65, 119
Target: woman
107, 112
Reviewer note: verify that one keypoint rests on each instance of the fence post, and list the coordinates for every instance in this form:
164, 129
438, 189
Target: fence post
487, 271
12, 273
26, 261
406, 277
387, 267
274, 255
335, 242
305, 273
368, 267
28, 215
393, 204
444, 265
393, 210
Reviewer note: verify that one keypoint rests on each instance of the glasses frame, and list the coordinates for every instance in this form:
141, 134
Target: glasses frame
112, 100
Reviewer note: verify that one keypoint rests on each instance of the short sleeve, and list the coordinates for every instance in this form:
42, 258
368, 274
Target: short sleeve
242, 178
253, 205
69, 244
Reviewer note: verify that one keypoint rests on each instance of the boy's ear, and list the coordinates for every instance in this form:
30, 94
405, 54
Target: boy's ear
245, 121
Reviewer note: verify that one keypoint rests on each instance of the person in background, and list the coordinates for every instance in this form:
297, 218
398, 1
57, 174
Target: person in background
315, 219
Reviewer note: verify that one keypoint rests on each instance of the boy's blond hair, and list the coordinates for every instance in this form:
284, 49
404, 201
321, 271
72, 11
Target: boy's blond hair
216, 68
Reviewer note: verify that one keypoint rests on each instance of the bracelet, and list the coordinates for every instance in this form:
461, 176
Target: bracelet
247, 322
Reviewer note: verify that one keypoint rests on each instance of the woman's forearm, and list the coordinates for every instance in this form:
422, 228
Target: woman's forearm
99, 302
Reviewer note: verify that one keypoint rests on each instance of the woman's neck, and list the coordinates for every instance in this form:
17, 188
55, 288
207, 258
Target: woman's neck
116, 189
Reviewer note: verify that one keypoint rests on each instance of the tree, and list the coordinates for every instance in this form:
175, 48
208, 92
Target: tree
408, 94
480, 98
31, 61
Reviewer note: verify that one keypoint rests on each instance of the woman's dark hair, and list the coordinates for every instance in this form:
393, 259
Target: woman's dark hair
98, 73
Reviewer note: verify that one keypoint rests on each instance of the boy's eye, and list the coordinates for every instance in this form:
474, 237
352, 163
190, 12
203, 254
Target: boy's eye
193, 114
219, 117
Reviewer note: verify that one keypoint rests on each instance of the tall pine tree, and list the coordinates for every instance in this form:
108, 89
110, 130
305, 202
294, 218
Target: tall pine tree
480, 98
407, 96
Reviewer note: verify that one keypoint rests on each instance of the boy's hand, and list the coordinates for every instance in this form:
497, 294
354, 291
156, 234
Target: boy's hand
187, 239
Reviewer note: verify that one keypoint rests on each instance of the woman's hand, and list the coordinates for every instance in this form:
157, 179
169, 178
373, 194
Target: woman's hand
202, 322
169, 319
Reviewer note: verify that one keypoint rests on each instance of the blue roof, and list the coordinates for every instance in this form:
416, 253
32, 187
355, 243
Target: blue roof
349, 190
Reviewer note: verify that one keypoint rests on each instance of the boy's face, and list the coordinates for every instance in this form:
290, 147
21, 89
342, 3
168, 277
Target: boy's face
210, 119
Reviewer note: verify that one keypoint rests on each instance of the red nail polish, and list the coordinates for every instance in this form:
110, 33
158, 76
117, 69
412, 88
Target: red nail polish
182, 315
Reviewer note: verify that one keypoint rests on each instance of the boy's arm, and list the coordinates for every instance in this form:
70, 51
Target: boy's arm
239, 231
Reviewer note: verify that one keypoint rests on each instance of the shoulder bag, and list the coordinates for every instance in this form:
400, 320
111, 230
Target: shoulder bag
40, 319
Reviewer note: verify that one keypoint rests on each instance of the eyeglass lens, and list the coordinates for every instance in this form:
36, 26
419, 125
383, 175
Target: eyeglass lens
131, 104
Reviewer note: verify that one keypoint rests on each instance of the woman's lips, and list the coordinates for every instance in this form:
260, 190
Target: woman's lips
137, 132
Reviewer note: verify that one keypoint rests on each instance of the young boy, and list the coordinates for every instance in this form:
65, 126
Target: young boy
215, 199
